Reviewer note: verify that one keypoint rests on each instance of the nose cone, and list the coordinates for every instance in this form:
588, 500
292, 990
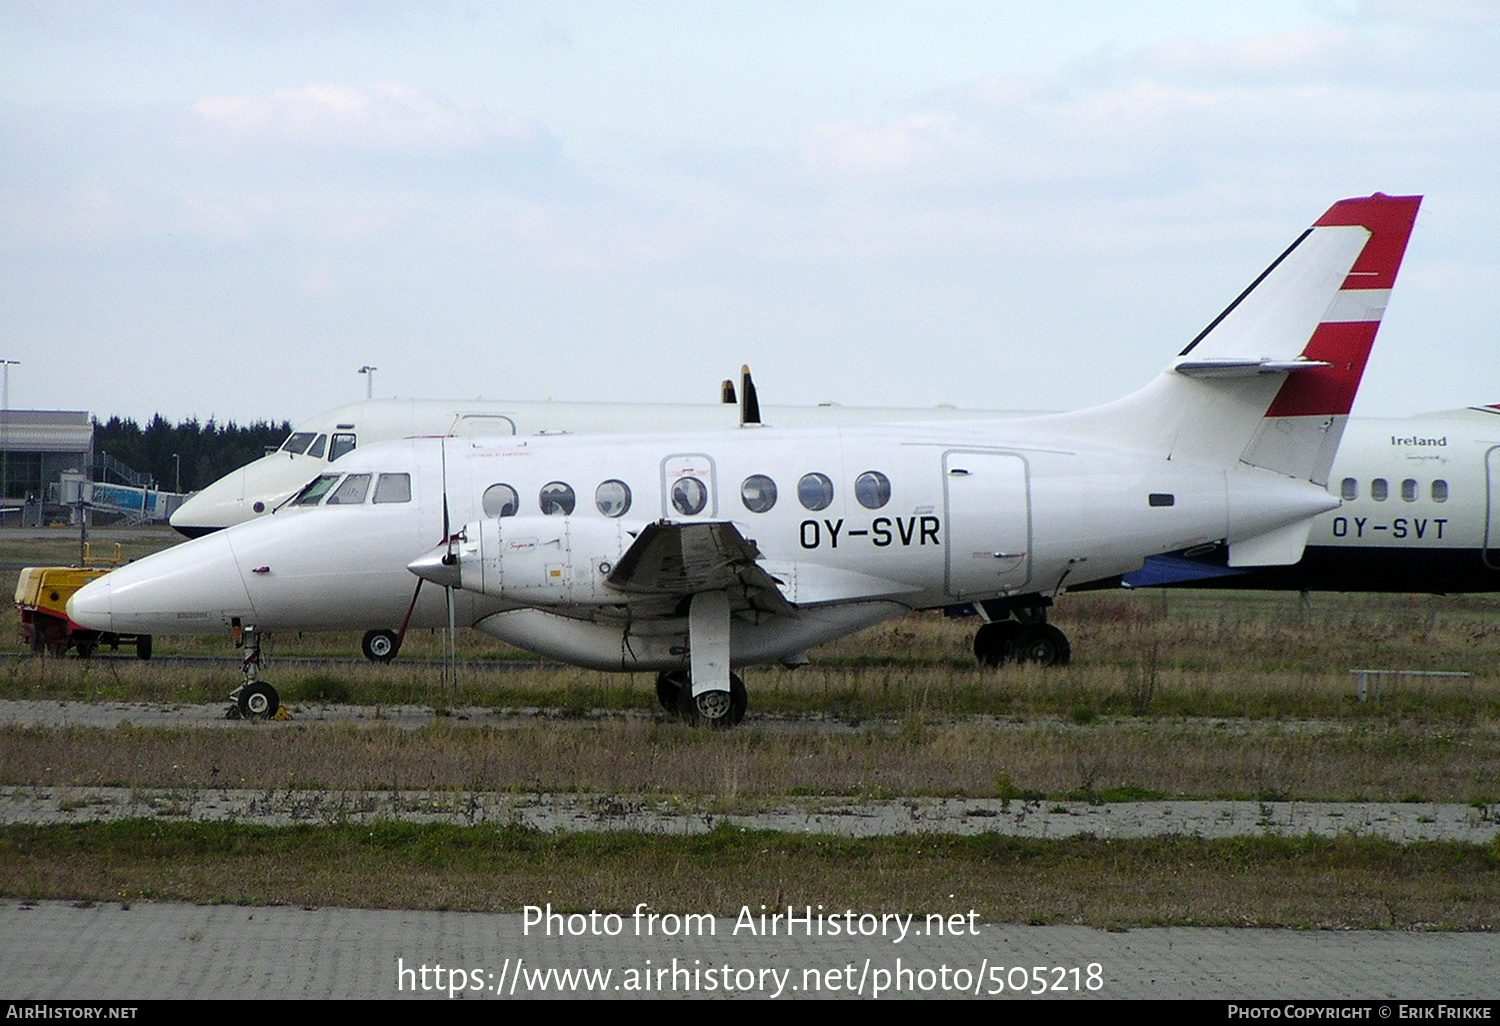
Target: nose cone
220, 505
92, 606
192, 588
246, 494
437, 566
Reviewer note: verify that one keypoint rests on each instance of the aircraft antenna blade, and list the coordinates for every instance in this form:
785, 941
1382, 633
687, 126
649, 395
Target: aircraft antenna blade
749, 402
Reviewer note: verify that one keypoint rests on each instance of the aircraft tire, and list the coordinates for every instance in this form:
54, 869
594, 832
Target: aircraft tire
994, 643
1042, 645
731, 707
85, 650
669, 687
143, 646
258, 701
379, 646
38, 639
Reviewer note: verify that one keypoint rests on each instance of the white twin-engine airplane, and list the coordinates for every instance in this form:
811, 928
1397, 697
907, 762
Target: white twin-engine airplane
692, 555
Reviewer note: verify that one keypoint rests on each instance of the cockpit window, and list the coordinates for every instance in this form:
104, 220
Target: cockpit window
314, 492
343, 445
351, 492
316, 449
393, 488
298, 443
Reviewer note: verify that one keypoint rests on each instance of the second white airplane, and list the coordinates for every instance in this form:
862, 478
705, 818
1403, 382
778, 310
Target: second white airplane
692, 555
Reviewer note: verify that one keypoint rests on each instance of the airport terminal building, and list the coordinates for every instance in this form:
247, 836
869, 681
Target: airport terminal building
37, 447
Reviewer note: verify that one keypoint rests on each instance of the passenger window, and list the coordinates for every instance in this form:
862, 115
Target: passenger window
1349, 489
314, 492
343, 445
557, 499
1409, 490
758, 493
316, 449
815, 491
872, 489
298, 443
351, 492
613, 498
393, 488
1440, 491
689, 496
1379, 489
501, 500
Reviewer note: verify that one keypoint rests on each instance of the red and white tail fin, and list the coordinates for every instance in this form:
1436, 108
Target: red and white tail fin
1270, 381
1304, 423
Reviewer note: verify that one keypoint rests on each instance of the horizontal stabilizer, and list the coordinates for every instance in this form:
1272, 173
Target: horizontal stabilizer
1242, 368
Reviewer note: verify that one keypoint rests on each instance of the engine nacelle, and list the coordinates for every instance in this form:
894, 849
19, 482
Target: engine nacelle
541, 560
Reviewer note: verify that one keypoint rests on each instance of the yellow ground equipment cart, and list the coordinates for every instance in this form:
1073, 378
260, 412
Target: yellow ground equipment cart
42, 598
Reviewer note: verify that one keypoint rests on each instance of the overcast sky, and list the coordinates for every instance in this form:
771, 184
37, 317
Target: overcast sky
225, 209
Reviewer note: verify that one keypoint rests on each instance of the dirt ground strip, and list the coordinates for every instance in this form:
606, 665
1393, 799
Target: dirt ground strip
843, 817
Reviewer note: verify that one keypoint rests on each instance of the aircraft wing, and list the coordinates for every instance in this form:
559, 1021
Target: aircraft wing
670, 559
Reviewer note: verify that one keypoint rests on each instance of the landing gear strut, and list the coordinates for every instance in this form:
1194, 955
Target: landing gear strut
1028, 638
254, 699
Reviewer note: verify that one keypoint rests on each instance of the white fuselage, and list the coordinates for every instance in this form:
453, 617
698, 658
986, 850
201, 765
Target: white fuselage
974, 512
259, 487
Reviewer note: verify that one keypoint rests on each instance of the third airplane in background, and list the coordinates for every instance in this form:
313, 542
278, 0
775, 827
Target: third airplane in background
704, 552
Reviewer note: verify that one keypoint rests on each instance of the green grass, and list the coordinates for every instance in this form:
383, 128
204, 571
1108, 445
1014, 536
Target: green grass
1306, 883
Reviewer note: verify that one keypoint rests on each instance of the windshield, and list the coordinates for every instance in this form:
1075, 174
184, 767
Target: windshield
299, 442
314, 492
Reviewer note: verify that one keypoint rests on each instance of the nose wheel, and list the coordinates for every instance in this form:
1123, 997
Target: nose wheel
257, 701
254, 699
379, 646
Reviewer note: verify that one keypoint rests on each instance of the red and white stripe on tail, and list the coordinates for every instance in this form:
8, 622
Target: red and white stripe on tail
1270, 381
1306, 419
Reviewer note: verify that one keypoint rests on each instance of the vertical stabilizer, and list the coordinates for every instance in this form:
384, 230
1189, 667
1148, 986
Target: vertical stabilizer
1270, 381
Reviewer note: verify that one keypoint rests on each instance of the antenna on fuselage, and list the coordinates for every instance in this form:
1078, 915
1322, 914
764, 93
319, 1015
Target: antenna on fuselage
749, 402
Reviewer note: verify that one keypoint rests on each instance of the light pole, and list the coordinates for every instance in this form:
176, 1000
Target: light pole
5, 428
369, 373
177, 463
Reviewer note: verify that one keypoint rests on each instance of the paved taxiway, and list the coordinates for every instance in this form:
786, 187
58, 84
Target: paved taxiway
56, 950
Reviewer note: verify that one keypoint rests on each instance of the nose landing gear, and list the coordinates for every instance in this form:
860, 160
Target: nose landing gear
254, 699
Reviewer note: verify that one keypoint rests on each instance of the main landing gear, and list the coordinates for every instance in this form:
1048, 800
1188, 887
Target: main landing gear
1028, 638
717, 709
254, 699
